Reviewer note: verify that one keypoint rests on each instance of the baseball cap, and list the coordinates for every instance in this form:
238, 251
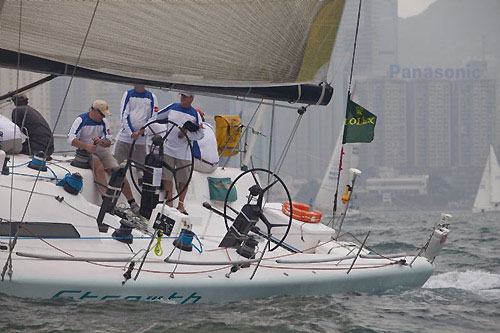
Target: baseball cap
101, 106
187, 94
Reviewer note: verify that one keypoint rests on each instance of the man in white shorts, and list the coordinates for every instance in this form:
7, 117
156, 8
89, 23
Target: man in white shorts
90, 131
176, 148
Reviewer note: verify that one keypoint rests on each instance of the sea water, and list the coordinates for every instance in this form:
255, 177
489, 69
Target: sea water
462, 296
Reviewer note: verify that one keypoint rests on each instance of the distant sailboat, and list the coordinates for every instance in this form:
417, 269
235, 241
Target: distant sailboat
324, 199
488, 194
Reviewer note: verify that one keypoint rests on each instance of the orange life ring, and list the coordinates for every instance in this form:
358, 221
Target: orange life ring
301, 212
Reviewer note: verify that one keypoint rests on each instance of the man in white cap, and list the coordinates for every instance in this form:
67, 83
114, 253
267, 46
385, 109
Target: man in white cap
176, 148
137, 107
90, 131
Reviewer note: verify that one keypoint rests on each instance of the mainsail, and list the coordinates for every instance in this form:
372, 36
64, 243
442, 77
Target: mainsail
488, 194
242, 46
325, 197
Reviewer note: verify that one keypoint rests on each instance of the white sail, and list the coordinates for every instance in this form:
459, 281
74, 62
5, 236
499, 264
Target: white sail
326, 193
209, 42
494, 178
488, 194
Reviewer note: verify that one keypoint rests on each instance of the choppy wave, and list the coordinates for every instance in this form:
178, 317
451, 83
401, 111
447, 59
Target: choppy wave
476, 281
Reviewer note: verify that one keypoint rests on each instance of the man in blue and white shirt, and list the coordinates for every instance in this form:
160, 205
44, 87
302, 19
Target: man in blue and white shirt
90, 131
176, 148
137, 107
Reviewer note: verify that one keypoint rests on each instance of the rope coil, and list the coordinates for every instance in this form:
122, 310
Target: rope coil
73, 183
158, 248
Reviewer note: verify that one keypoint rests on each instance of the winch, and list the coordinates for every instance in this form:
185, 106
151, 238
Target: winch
38, 162
124, 233
81, 159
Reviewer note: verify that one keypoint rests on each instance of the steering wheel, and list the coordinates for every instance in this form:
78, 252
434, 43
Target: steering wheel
158, 142
257, 193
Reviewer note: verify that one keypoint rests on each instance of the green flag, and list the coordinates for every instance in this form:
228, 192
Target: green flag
359, 123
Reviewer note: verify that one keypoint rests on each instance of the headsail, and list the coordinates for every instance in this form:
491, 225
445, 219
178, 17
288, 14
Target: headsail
211, 43
325, 197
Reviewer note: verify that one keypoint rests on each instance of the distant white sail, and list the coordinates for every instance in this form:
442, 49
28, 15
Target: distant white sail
326, 193
488, 194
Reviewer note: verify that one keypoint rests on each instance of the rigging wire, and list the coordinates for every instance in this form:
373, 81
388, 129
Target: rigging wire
392, 261
334, 210
242, 134
12, 243
354, 49
288, 143
27, 88
281, 159
64, 99
9, 258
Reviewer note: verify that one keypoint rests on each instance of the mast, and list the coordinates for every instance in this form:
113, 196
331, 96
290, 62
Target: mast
335, 197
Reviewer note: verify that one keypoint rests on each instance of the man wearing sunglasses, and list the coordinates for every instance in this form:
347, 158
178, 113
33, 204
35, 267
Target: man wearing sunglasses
90, 131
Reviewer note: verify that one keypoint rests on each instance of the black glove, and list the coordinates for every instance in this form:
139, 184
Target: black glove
190, 126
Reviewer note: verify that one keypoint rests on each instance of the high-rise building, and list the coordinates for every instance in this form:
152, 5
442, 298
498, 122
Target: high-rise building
430, 125
432, 109
388, 100
475, 107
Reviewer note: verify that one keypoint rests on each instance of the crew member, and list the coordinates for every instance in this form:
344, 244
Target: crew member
176, 149
90, 131
34, 126
137, 107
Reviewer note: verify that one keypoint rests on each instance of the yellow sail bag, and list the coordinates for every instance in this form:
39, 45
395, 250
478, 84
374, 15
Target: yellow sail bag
228, 133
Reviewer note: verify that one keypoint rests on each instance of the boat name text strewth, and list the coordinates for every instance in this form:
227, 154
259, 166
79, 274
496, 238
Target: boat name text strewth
79, 294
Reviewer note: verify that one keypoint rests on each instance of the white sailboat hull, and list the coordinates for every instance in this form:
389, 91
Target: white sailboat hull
44, 279
92, 265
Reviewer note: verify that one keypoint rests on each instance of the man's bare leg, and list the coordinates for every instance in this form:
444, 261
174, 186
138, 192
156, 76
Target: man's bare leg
180, 206
99, 173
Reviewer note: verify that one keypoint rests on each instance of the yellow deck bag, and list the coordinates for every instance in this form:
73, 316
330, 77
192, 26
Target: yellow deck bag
228, 133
